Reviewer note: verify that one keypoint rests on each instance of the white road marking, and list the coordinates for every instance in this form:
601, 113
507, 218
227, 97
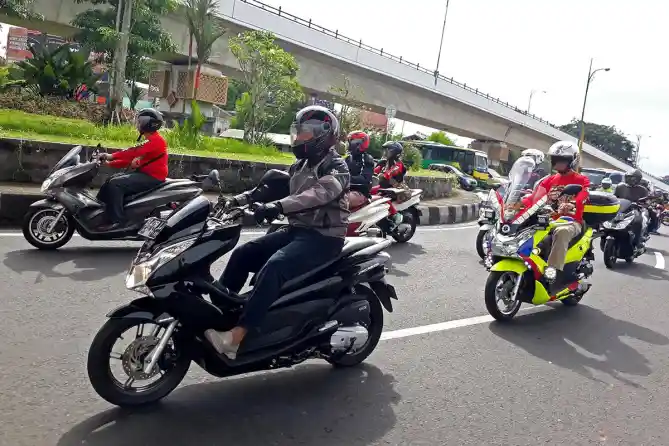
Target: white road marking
659, 260
443, 326
446, 228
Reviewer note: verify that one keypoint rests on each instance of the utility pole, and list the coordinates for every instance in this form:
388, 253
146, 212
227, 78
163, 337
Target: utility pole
441, 43
120, 58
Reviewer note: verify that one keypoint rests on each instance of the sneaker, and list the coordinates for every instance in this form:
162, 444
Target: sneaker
222, 342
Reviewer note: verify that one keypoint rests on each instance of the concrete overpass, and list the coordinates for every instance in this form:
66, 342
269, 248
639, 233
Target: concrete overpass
325, 57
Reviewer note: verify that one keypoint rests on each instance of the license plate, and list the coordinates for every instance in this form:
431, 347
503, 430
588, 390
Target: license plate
152, 227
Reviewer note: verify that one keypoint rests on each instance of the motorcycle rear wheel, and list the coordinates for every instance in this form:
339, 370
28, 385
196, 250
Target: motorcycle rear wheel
105, 384
411, 219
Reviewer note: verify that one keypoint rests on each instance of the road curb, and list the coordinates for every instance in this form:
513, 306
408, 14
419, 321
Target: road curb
14, 206
439, 215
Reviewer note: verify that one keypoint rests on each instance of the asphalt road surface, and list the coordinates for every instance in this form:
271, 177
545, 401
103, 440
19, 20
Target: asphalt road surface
444, 374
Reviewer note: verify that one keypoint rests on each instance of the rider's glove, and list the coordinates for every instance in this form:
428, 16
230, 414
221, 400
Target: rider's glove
267, 211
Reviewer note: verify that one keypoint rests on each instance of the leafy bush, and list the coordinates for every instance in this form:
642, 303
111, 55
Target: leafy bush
56, 73
412, 158
441, 138
188, 134
53, 106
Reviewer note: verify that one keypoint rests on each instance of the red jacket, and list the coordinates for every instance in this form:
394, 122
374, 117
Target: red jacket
152, 154
396, 171
572, 177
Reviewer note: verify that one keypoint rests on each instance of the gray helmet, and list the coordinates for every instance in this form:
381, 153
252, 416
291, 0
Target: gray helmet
633, 177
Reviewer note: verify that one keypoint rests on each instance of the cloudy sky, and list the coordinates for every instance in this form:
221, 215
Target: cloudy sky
507, 48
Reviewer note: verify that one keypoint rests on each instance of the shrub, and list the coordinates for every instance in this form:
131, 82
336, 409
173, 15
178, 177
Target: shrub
53, 106
411, 157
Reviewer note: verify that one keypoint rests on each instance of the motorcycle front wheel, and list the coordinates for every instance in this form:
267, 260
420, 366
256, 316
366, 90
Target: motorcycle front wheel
169, 371
498, 289
610, 257
40, 231
480, 240
408, 218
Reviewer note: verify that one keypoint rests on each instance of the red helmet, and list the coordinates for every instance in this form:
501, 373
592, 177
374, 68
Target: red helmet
358, 142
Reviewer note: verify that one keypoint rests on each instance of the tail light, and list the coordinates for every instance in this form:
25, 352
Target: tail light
173, 205
351, 228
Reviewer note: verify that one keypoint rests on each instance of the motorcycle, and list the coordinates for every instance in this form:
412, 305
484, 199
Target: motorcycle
520, 249
664, 217
618, 239
487, 221
654, 213
333, 312
372, 218
50, 223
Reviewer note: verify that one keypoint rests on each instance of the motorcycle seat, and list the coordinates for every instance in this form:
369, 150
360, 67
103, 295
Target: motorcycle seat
133, 197
351, 246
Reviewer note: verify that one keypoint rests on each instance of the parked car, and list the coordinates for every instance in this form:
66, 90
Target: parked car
466, 182
596, 175
496, 180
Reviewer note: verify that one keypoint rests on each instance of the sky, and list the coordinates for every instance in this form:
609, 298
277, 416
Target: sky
509, 48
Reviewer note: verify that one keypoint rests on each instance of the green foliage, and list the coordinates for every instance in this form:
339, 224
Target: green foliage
604, 137
188, 134
134, 94
50, 105
97, 31
350, 113
22, 9
204, 26
6, 81
269, 72
441, 138
235, 90
56, 73
411, 157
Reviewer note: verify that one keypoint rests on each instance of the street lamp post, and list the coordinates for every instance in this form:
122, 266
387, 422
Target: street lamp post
441, 44
532, 93
637, 159
591, 75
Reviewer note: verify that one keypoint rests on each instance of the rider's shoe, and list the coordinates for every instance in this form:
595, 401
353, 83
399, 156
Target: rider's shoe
222, 342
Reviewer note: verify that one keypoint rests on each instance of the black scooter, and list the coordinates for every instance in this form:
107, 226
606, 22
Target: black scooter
68, 206
617, 237
333, 312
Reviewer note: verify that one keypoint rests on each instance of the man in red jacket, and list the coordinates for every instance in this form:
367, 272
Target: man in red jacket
149, 160
564, 156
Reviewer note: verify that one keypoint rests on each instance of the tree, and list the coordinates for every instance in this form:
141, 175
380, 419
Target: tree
441, 138
203, 27
56, 73
350, 113
97, 31
604, 137
22, 9
269, 74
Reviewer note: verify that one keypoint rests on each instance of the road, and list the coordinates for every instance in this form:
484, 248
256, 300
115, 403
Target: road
591, 375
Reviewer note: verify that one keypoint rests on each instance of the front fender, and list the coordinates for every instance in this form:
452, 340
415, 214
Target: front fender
46, 203
512, 265
144, 308
484, 226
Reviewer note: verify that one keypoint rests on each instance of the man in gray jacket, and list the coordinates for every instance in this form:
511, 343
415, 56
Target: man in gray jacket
317, 210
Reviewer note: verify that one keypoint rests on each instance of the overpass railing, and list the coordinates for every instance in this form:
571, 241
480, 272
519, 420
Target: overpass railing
381, 52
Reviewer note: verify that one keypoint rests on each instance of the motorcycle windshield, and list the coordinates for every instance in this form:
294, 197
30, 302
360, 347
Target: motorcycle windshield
185, 221
516, 196
70, 159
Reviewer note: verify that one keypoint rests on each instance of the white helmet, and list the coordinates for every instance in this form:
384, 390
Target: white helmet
606, 182
564, 151
537, 155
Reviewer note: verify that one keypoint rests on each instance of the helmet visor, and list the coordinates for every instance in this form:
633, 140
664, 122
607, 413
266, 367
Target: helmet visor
301, 133
355, 144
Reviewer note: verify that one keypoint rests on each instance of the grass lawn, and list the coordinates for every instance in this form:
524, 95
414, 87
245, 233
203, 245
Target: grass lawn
17, 124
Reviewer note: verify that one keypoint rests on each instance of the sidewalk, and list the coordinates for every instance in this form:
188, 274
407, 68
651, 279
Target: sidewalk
15, 198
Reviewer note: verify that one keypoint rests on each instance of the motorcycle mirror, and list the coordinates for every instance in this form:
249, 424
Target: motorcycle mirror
572, 189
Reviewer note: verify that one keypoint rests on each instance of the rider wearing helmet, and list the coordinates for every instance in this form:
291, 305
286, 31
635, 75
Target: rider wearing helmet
538, 172
149, 160
564, 157
633, 190
317, 209
390, 171
607, 185
361, 166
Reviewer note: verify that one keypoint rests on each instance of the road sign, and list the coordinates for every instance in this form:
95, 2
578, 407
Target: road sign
391, 111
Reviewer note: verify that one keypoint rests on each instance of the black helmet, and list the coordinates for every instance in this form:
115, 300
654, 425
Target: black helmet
394, 150
149, 120
314, 131
633, 177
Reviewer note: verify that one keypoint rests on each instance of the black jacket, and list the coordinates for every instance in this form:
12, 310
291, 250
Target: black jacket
361, 168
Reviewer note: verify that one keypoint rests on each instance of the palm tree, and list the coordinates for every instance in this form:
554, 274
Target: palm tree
205, 29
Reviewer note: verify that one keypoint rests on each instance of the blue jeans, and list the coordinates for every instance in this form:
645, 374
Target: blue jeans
276, 258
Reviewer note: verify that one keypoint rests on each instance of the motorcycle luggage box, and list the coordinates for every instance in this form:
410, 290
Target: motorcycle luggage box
600, 207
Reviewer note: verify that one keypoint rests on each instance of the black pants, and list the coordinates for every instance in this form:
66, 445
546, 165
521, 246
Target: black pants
637, 228
654, 223
113, 193
277, 258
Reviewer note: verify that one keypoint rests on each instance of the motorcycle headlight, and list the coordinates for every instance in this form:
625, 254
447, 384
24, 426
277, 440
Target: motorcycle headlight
51, 179
141, 271
506, 246
45, 185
